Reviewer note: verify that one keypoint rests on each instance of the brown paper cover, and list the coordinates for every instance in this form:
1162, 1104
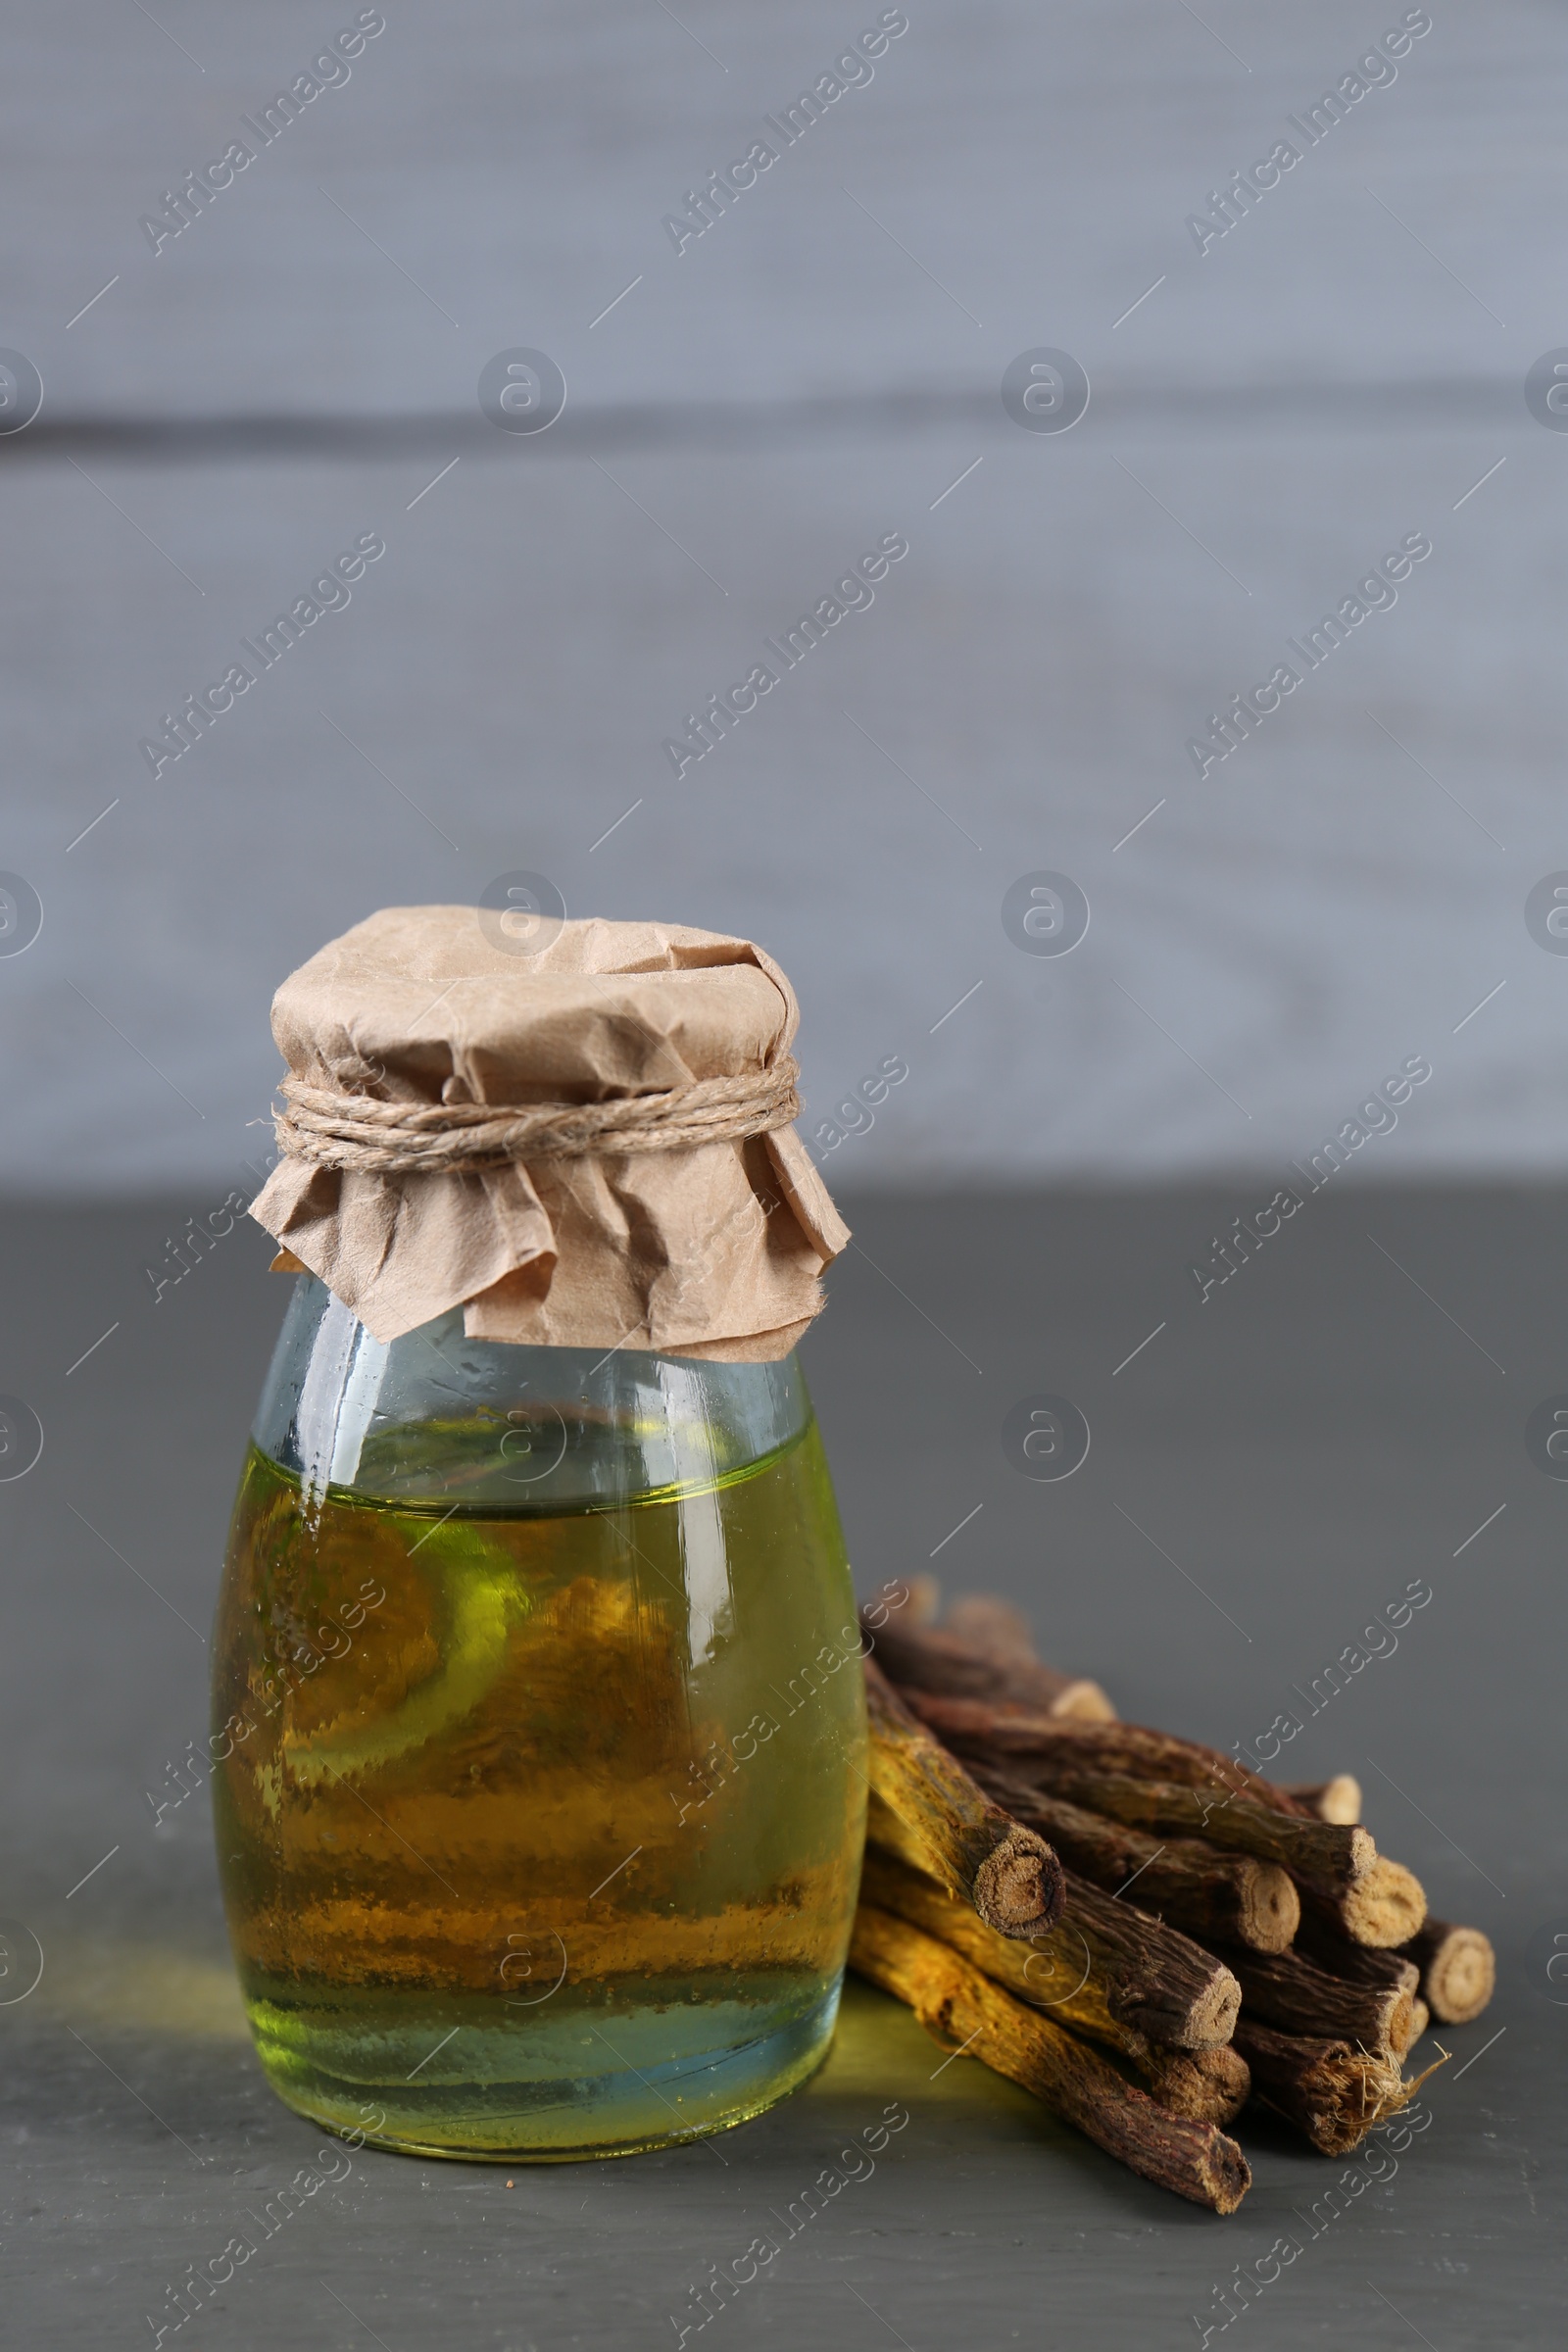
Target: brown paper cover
714, 1250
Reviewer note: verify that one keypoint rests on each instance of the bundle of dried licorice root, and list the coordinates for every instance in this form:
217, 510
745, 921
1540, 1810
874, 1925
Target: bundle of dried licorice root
1137, 1928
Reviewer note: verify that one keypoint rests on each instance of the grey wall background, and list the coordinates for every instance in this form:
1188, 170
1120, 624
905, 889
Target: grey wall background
818, 369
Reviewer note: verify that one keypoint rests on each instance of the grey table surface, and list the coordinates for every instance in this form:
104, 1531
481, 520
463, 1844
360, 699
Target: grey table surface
1277, 1462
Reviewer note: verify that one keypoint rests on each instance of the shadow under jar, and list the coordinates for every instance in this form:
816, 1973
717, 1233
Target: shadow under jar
540, 1740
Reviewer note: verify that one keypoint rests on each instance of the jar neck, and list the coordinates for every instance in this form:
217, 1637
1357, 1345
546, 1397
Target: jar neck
437, 1418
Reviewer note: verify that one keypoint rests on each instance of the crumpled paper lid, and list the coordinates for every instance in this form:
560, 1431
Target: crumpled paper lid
713, 1251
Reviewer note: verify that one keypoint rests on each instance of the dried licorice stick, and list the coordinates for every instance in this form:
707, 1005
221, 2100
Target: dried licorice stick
959, 2006
938, 1658
1332, 2093
1026, 1744
1289, 1991
1059, 1976
1327, 1856
963, 1837
1211, 1895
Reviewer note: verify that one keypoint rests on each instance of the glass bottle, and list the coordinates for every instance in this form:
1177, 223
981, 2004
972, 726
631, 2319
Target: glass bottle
539, 1735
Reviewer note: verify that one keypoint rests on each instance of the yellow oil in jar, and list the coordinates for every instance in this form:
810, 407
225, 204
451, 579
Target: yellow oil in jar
540, 1832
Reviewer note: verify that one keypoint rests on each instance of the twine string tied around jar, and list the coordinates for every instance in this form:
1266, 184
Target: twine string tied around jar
337, 1129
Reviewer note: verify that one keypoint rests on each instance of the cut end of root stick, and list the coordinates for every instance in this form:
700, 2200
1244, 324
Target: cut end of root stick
1338, 1801
1460, 1976
1268, 1906
1083, 1702
1214, 2014
1227, 2174
1020, 1888
1362, 1852
1205, 2086
1384, 1908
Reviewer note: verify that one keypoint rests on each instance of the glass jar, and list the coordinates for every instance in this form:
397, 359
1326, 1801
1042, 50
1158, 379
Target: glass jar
539, 1733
